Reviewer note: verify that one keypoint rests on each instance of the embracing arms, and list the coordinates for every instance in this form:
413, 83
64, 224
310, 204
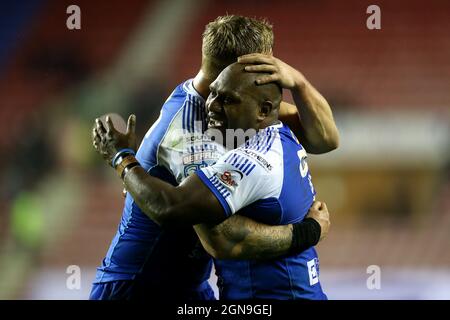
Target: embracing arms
236, 237
192, 203
188, 204
239, 237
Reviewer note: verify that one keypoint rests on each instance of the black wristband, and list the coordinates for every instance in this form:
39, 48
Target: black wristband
305, 234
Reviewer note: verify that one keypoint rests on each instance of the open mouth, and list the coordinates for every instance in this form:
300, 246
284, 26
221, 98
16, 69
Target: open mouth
215, 121
212, 123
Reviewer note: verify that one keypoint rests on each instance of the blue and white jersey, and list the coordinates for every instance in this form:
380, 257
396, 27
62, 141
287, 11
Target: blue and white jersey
173, 148
268, 180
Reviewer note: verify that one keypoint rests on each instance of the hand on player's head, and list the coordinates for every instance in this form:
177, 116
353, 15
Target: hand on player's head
279, 71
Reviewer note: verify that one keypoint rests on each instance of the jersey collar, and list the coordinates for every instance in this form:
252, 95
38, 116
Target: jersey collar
189, 88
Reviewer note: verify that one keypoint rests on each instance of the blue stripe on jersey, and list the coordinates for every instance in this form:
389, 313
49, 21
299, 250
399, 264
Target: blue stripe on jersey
267, 138
257, 141
236, 159
188, 114
183, 118
228, 158
250, 170
220, 187
194, 114
238, 162
272, 139
262, 142
242, 164
246, 167
216, 193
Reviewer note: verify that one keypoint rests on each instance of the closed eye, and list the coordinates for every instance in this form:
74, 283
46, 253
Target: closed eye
213, 93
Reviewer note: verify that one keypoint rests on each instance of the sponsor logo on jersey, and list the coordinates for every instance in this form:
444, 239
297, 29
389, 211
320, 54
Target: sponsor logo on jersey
197, 138
261, 160
230, 178
200, 157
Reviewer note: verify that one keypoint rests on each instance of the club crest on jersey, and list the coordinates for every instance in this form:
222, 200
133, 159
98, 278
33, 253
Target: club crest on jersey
190, 169
230, 178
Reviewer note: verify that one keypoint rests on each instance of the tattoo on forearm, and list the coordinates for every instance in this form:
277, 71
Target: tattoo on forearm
251, 240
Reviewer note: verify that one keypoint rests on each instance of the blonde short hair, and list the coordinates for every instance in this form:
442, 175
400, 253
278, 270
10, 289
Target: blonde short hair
228, 37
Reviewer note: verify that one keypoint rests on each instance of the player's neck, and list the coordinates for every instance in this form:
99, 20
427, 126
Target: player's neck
201, 84
269, 121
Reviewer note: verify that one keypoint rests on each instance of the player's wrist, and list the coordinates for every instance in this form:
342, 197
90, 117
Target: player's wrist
299, 81
120, 155
125, 164
305, 234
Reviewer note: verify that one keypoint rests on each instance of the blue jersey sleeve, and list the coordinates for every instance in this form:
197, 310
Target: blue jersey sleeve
147, 154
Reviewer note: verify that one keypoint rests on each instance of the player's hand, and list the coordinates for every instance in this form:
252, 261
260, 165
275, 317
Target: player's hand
319, 212
281, 73
107, 140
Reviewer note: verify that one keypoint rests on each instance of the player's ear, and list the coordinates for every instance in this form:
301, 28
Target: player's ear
265, 109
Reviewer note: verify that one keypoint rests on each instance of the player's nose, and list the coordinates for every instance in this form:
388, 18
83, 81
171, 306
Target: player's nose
213, 105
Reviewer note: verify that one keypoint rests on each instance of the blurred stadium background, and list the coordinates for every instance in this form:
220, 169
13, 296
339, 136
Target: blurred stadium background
387, 187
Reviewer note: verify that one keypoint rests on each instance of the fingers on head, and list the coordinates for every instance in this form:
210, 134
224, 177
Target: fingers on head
267, 79
261, 68
255, 58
